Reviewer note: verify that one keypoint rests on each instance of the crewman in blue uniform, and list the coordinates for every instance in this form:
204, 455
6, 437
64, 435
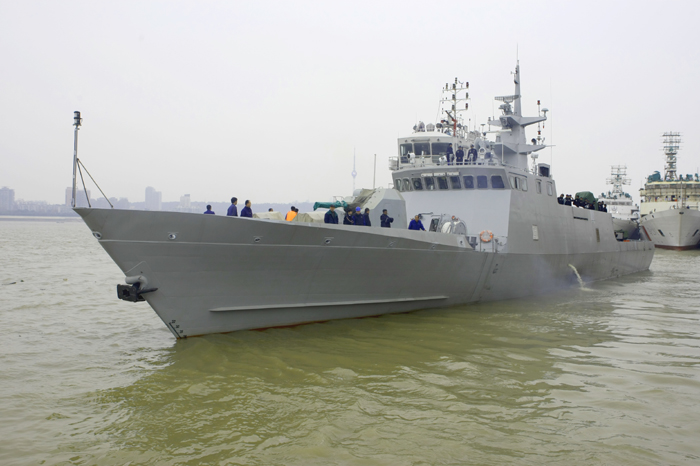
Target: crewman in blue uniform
358, 218
331, 216
385, 219
450, 154
232, 209
459, 155
416, 224
209, 211
247, 211
365, 218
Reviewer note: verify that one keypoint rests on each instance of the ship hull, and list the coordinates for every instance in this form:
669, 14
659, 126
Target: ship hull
677, 229
629, 227
214, 274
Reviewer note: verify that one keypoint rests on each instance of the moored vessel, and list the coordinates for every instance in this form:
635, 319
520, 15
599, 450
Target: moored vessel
670, 214
493, 230
624, 212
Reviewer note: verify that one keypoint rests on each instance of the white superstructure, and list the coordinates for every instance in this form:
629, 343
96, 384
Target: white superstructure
670, 214
619, 203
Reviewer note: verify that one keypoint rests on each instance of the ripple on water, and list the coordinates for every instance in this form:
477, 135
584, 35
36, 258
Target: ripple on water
606, 376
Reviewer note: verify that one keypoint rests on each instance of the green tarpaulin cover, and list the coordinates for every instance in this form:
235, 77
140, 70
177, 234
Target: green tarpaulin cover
588, 196
327, 205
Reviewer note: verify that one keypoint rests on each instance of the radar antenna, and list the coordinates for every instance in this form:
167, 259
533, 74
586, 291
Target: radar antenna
618, 179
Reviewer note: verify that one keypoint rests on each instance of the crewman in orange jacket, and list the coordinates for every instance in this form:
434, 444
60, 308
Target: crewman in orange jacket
291, 214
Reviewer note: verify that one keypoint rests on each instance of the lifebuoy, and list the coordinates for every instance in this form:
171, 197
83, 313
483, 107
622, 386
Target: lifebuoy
486, 236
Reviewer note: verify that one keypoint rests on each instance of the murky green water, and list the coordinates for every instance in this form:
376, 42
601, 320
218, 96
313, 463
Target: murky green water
606, 375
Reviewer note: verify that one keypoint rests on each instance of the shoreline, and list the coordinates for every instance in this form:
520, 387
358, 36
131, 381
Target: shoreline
38, 218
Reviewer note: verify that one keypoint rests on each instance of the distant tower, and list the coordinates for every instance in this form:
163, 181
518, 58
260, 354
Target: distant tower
354, 173
672, 142
153, 199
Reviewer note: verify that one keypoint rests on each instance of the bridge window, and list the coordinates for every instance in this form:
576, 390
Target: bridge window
469, 182
407, 185
482, 182
523, 184
442, 182
454, 181
538, 186
550, 190
497, 182
440, 148
405, 149
417, 184
398, 184
422, 148
430, 183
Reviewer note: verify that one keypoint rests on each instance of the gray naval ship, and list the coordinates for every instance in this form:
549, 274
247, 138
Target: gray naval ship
494, 231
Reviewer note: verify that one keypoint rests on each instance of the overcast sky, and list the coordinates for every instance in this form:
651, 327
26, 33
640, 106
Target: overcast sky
268, 100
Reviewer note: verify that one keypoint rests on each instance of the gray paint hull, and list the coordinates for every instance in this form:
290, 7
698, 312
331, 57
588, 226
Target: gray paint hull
220, 274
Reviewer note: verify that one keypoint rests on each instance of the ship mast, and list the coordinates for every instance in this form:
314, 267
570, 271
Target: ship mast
672, 142
354, 172
617, 179
452, 113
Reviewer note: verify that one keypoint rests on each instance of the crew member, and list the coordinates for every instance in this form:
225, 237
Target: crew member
365, 217
209, 211
416, 224
472, 155
560, 199
291, 214
450, 154
247, 211
348, 219
331, 216
232, 209
359, 219
385, 219
459, 155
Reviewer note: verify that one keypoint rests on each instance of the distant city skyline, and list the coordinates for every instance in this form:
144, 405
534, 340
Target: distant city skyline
10, 205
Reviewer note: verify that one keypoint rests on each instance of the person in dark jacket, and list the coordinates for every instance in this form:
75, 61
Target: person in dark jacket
209, 211
358, 218
450, 154
247, 211
560, 199
385, 219
416, 224
472, 155
232, 209
331, 216
459, 156
348, 219
365, 218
